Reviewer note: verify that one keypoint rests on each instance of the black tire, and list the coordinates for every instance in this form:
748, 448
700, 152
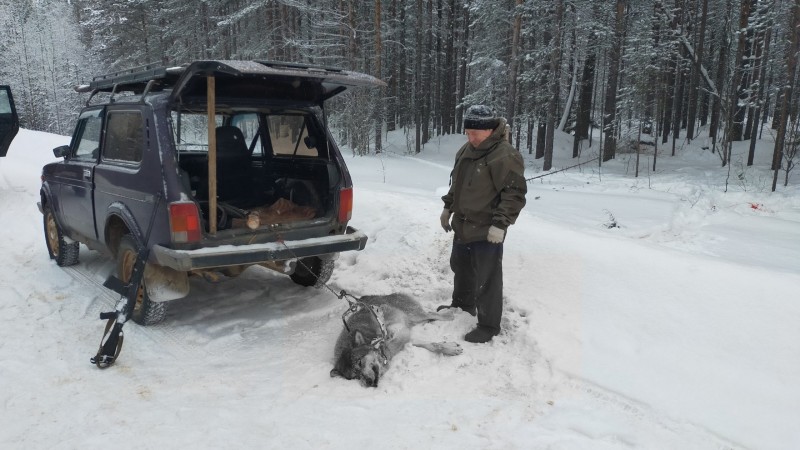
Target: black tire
65, 254
312, 271
145, 311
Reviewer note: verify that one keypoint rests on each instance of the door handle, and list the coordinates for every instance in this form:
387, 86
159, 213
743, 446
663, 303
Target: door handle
87, 174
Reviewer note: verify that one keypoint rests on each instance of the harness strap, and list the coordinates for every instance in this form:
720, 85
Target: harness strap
355, 305
379, 343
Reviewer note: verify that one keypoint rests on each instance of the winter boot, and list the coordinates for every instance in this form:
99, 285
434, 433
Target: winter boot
481, 335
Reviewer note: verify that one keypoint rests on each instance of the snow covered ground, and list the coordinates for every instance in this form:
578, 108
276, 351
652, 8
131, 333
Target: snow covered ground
678, 328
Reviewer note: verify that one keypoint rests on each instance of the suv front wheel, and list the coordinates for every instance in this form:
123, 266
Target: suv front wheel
65, 254
145, 311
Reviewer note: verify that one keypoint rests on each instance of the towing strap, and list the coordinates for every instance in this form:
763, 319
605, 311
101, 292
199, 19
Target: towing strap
354, 305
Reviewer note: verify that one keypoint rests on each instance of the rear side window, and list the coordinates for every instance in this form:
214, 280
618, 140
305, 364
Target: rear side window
124, 136
190, 131
289, 136
87, 139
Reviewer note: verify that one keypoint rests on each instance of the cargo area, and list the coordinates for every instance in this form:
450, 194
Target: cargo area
271, 167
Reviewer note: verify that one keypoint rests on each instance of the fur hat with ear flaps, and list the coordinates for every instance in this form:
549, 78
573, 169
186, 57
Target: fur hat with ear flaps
480, 117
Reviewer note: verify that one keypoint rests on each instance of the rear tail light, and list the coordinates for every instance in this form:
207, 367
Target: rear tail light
184, 222
345, 205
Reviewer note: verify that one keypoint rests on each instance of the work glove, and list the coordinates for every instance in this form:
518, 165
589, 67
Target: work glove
445, 220
495, 235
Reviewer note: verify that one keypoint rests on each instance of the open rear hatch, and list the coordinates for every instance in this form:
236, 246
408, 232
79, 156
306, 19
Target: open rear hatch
257, 80
268, 80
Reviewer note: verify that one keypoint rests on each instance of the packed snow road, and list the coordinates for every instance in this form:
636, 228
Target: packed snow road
613, 337
255, 352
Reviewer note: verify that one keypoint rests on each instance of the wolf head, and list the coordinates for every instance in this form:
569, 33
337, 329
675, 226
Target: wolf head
361, 361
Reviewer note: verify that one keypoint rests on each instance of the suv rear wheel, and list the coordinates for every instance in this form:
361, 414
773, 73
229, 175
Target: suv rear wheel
65, 254
312, 271
145, 311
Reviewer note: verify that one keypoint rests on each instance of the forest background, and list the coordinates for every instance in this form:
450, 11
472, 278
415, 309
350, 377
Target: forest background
671, 71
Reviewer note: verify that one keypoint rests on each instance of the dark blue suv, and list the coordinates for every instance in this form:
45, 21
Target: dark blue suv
213, 166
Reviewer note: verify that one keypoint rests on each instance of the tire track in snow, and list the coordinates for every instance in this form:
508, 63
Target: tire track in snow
256, 308
206, 325
105, 300
642, 413
513, 353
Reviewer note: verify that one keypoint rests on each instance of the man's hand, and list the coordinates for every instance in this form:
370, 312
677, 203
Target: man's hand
495, 235
445, 220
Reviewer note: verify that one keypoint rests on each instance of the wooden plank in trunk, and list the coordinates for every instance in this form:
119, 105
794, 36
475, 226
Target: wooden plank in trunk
212, 155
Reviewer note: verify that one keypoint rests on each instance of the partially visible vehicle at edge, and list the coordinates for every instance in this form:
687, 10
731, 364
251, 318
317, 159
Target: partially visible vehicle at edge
235, 160
9, 121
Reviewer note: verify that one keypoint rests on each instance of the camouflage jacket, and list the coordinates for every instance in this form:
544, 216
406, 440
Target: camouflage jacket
487, 187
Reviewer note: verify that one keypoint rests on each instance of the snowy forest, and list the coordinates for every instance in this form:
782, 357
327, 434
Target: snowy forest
653, 73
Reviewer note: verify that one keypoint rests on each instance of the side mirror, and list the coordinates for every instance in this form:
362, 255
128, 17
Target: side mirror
61, 151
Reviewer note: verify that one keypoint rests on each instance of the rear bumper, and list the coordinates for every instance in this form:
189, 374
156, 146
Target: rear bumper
232, 255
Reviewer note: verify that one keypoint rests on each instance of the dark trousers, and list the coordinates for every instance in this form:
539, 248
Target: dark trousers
478, 280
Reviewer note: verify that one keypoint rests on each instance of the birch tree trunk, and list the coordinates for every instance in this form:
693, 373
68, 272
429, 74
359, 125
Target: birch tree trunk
722, 59
762, 55
610, 109
695, 83
583, 116
791, 68
378, 74
514, 64
741, 75
417, 105
555, 85
462, 72
733, 129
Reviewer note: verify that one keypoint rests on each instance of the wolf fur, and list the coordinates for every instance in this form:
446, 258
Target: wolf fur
357, 358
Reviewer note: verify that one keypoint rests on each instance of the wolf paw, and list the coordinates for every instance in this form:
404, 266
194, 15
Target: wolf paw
447, 348
444, 314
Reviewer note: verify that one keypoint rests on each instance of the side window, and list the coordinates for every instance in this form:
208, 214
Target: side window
124, 136
190, 131
248, 123
288, 135
5, 100
87, 141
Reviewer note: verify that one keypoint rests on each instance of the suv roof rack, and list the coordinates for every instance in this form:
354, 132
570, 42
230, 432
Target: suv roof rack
136, 78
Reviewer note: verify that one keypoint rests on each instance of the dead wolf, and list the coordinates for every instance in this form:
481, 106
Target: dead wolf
361, 354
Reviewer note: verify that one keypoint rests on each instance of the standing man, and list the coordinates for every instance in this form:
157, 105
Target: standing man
487, 192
